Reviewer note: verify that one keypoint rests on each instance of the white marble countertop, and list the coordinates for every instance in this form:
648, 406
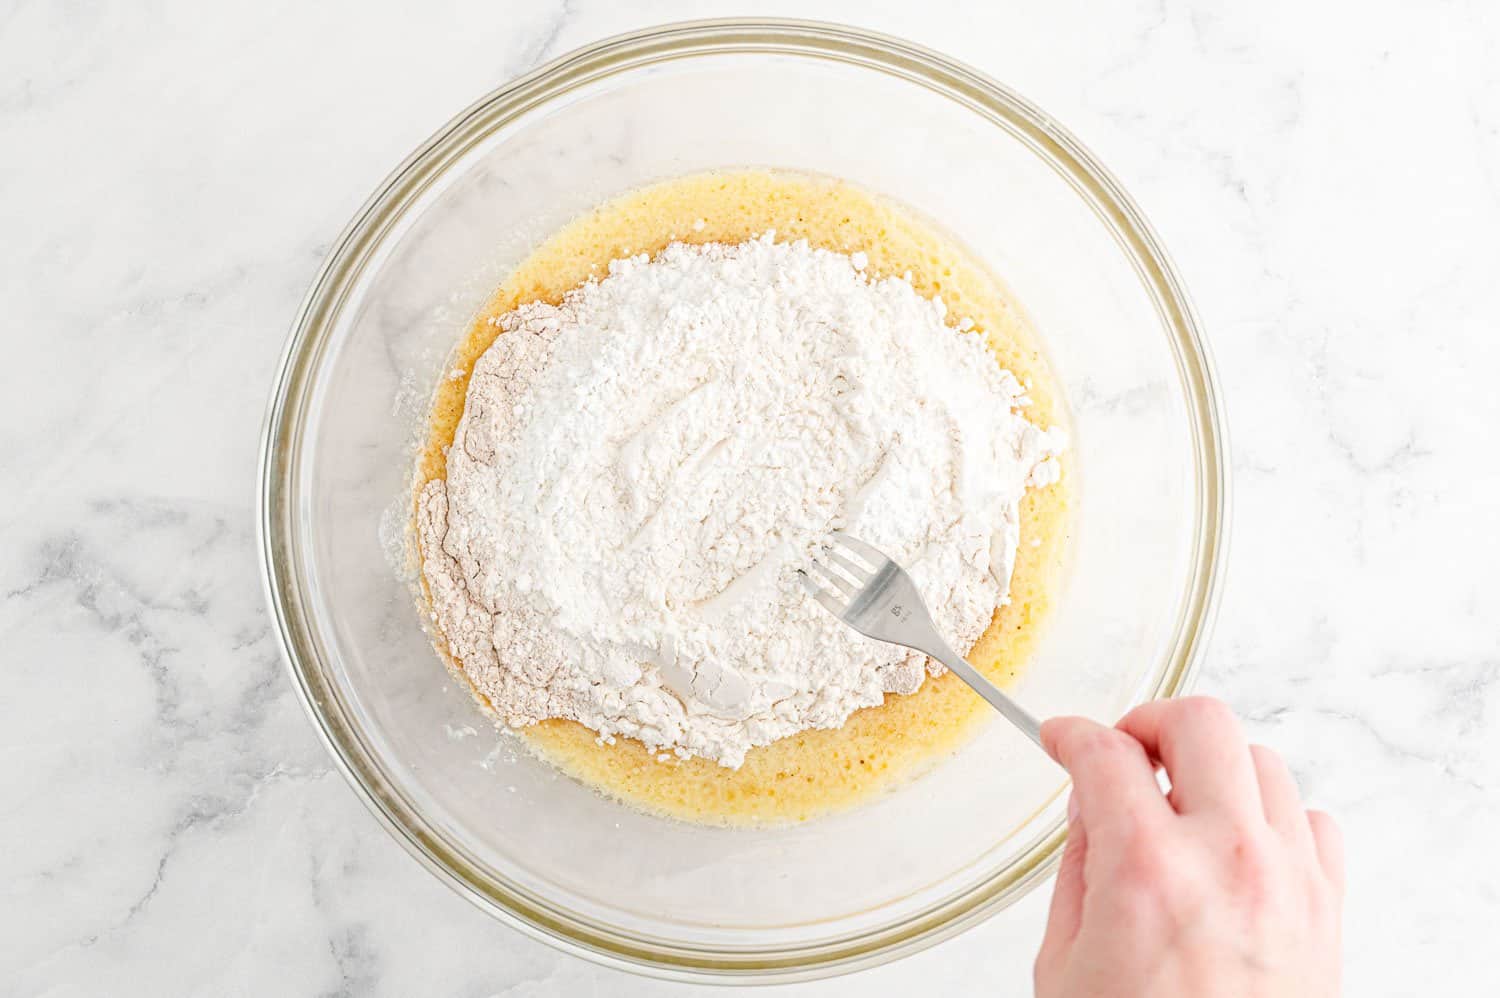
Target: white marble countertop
171, 174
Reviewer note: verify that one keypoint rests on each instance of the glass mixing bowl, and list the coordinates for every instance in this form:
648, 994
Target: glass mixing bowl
552, 857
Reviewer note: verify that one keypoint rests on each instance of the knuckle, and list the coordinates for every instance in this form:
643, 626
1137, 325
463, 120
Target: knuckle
1147, 895
1327, 895
1142, 858
1208, 712
1106, 742
1328, 839
1139, 907
1269, 763
1325, 827
1255, 857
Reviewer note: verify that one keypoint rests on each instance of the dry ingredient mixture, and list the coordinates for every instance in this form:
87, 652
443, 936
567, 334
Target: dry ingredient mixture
640, 470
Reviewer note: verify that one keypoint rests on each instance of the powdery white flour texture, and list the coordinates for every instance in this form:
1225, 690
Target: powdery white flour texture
640, 470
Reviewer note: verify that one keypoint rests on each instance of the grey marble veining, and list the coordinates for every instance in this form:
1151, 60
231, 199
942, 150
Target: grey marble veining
1327, 178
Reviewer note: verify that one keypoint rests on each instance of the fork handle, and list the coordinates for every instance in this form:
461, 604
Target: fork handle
1014, 712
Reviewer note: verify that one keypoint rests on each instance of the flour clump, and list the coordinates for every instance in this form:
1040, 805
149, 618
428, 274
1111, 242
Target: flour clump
641, 469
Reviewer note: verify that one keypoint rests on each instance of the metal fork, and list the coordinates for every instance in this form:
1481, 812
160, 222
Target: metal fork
883, 603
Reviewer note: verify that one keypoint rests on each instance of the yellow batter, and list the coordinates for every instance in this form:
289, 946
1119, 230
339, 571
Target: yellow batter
811, 772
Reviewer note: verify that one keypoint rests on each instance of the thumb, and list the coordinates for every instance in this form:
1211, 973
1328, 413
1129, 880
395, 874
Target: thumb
1067, 896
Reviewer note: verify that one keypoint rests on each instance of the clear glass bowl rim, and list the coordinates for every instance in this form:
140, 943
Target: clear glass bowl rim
282, 441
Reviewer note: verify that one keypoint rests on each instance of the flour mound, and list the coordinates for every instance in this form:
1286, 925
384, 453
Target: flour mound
640, 471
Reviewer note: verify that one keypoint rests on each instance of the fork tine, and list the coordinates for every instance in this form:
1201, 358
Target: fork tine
860, 573
848, 588
859, 547
887, 607
814, 590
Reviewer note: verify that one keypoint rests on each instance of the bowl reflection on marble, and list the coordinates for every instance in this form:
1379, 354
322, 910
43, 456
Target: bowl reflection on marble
551, 856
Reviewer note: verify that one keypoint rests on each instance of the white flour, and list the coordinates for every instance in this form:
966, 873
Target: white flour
640, 471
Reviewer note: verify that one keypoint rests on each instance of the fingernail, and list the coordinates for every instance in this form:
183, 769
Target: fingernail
1072, 809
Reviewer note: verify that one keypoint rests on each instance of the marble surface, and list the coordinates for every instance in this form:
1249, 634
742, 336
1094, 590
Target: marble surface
1327, 177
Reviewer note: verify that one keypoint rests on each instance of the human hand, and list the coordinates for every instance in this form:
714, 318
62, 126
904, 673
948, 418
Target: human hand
1225, 887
